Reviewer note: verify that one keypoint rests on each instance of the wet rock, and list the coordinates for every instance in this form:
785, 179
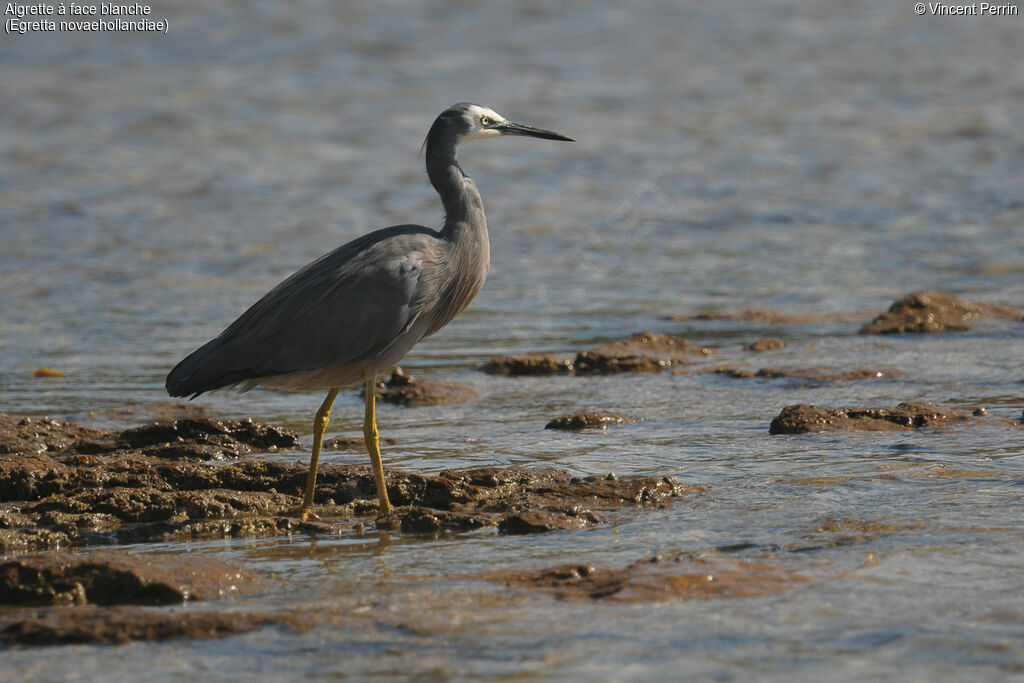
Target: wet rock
594, 363
58, 500
587, 420
194, 439
756, 315
529, 365
833, 533
799, 419
763, 345
931, 312
538, 521
653, 344
175, 410
113, 578
810, 374
206, 430
828, 525
681, 578
156, 411
354, 443
40, 434
118, 625
122, 624
427, 521
641, 352
519, 500
406, 390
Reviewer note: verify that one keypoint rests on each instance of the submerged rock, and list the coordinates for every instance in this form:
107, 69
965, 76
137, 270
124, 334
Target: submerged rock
657, 580
118, 625
587, 420
799, 419
594, 363
529, 365
810, 374
763, 345
653, 344
124, 623
406, 390
640, 352
756, 315
108, 597
354, 443
117, 578
931, 312
833, 533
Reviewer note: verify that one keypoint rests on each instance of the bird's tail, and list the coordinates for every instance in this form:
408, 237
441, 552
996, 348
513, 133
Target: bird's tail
203, 370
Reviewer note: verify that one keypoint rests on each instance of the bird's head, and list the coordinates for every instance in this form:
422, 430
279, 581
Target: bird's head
466, 121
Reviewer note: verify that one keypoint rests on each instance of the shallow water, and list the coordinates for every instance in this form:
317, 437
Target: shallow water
811, 160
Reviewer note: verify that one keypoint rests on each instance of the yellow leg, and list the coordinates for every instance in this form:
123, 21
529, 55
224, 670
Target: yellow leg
323, 416
373, 444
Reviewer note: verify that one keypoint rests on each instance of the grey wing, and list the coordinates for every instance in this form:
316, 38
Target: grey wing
349, 306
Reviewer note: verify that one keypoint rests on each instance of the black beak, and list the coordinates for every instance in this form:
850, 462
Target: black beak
509, 128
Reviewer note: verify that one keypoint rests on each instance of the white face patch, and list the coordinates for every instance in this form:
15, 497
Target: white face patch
479, 117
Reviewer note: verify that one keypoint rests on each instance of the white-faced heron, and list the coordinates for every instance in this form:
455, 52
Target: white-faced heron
359, 309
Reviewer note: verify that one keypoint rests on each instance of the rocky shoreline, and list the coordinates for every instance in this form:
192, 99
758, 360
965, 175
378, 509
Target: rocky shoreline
65, 486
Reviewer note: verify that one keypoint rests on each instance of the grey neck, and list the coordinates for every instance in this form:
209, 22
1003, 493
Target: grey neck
463, 207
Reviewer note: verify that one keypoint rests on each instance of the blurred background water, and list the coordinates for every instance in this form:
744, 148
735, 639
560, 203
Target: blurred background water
824, 158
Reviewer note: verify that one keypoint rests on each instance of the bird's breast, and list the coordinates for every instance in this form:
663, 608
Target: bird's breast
464, 278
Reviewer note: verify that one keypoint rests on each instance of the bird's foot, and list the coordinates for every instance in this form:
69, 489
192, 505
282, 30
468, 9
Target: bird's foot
307, 515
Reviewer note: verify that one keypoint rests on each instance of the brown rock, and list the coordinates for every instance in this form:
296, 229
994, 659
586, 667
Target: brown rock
765, 345
113, 578
756, 315
166, 411
37, 435
538, 521
124, 623
593, 363
354, 443
833, 533
67, 498
654, 345
641, 352
931, 312
520, 501
430, 521
683, 578
406, 390
116, 625
798, 419
587, 420
529, 365
810, 374
193, 439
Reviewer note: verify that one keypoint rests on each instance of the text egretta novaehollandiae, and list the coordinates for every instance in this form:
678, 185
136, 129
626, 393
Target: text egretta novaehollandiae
359, 309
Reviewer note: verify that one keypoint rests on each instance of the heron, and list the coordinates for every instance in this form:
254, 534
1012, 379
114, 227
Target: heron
358, 310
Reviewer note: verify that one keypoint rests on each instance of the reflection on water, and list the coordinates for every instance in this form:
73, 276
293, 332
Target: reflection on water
804, 159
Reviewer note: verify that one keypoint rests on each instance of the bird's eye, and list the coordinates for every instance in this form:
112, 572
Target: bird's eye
485, 121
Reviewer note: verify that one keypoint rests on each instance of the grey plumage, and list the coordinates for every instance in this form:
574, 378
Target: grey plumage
366, 300
346, 307
359, 309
